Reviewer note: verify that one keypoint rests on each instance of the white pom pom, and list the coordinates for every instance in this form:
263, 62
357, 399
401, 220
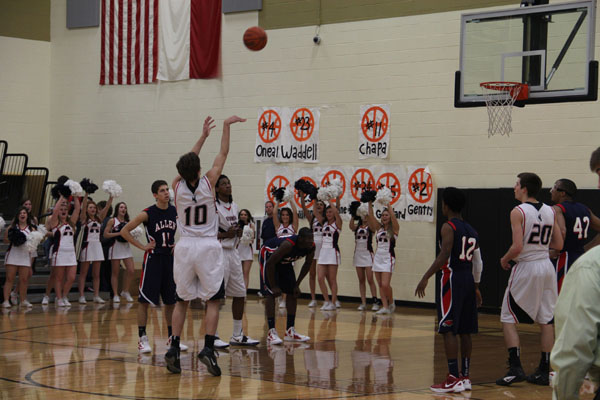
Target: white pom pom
384, 196
138, 232
287, 195
247, 235
42, 229
324, 194
171, 194
76, 189
363, 211
112, 188
2, 223
337, 187
33, 240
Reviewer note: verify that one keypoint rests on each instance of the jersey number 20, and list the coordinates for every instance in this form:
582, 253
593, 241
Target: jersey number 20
195, 215
540, 234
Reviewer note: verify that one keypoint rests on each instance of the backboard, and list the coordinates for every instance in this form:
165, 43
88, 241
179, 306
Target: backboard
549, 47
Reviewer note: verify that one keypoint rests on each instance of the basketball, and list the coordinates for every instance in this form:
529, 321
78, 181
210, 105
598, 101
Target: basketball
255, 38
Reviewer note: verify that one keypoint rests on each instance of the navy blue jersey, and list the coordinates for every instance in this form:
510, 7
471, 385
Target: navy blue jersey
577, 222
161, 226
273, 244
465, 243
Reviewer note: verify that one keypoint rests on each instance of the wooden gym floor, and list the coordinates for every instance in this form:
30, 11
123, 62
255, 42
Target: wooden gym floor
91, 352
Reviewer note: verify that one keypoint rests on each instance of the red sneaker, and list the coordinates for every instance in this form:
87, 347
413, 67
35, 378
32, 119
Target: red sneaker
451, 384
466, 381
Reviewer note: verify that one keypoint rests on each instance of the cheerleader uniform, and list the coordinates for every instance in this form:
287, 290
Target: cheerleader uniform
119, 250
245, 251
63, 249
285, 231
19, 255
363, 249
91, 249
330, 252
317, 229
385, 257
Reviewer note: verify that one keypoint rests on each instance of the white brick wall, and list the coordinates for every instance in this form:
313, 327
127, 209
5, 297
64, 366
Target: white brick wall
135, 134
25, 97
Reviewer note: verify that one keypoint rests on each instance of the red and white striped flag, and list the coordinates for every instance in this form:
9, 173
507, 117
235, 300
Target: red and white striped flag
144, 40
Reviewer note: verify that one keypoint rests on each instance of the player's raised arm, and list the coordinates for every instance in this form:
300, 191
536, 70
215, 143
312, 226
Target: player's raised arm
516, 224
217, 168
447, 241
206, 128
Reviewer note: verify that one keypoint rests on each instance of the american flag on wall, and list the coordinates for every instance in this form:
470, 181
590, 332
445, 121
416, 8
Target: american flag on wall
146, 40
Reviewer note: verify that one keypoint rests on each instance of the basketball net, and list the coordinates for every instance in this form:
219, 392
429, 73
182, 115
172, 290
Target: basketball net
499, 100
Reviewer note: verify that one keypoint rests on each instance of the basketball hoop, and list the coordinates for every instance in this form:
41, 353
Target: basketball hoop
499, 99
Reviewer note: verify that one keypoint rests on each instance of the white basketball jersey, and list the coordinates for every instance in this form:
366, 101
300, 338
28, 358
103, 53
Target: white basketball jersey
93, 231
228, 217
197, 213
537, 231
285, 231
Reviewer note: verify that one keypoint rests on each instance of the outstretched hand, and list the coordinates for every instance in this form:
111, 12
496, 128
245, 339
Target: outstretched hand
208, 126
233, 119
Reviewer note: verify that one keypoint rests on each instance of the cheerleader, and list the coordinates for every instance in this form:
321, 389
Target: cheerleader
18, 258
363, 261
383, 264
287, 226
118, 251
245, 250
329, 256
14, 297
62, 254
314, 219
91, 248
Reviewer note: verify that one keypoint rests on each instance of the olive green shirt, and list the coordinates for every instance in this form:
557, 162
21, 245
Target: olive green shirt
577, 317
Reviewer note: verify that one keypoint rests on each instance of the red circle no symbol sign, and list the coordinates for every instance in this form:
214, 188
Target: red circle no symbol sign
302, 124
269, 126
420, 186
374, 124
277, 182
361, 180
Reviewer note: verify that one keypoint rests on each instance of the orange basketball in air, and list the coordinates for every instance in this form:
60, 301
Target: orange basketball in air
255, 38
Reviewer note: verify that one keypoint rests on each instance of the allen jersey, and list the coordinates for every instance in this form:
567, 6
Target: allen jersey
196, 209
538, 222
161, 227
577, 221
228, 217
465, 242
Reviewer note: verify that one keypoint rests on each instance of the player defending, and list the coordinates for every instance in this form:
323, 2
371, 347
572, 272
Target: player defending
198, 268
276, 259
531, 292
160, 222
574, 220
461, 265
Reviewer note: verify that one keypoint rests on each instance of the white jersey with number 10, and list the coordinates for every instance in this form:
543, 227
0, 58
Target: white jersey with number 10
537, 231
196, 211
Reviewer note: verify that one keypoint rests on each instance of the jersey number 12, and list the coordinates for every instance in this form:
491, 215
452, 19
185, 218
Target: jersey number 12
467, 253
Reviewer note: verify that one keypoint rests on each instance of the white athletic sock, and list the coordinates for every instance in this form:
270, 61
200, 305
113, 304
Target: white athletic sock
237, 327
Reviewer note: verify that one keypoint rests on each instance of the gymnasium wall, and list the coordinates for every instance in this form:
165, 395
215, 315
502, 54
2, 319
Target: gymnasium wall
135, 134
25, 97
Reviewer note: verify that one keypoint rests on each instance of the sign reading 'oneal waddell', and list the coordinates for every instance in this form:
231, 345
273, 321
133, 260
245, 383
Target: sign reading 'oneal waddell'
287, 135
374, 131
